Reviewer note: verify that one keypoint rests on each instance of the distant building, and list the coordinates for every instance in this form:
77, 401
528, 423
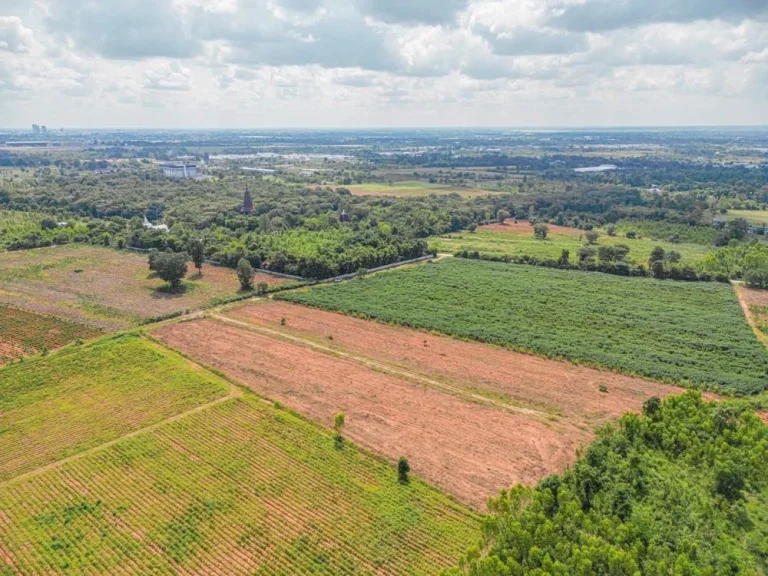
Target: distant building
149, 226
179, 170
44, 129
35, 129
260, 170
247, 207
344, 217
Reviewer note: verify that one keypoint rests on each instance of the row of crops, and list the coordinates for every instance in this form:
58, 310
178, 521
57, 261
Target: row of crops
23, 332
53, 407
693, 334
238, 488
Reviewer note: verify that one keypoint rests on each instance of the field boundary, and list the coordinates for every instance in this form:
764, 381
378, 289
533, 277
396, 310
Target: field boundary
383, 367
748, 313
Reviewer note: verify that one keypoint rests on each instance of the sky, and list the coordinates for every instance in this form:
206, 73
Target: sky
382, 63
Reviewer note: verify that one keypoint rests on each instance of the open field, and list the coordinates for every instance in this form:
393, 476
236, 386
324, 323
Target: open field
686, 333
408, 188
53, 407
755, 304
236, 488
559, 389
467, 435
104, 288
510, 239
752, 216
23, 333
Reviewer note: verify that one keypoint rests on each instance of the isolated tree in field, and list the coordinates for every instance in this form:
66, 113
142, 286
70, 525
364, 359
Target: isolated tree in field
196, 251
565, 258
338, 422
153, 260
657, 255
591, 237
171, 267
261, 288
403, 468
611, 230
540, 231
501, 216
657, 269
245, 274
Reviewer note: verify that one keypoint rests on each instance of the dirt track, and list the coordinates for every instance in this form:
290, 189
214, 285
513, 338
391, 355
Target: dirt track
469, 449
466, 446
558, 388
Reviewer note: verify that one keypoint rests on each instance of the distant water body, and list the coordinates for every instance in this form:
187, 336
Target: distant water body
601, 168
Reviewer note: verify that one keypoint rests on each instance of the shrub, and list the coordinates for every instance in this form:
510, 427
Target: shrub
403, 468
171, 267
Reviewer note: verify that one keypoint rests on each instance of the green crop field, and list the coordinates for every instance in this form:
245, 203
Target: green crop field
687, 333
518, 240
238, 488
59, 405
23, 332
408, 188
752, 216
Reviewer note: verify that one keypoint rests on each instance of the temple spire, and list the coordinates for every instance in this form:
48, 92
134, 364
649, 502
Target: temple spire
247, 202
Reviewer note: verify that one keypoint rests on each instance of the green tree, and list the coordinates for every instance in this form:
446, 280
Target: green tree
540, 231
403, 469
657, 255
591, 236
245, 274
171, 267
501, 216
196, 251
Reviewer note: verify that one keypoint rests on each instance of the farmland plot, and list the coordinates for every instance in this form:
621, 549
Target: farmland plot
23, 333
469, 446
583, 395
238, 488
687, 333
57, 406
104, 288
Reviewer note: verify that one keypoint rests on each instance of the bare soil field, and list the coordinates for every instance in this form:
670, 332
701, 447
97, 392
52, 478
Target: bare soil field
557, 388
462, 443
104, 288
755, 305
461, 446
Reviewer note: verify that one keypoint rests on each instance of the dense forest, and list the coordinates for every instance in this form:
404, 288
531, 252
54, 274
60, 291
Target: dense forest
682, 489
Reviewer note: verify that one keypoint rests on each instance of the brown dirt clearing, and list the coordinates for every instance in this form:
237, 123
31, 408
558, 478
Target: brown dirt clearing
524, 227
557, 388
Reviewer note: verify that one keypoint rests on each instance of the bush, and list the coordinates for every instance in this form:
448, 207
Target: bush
756, 278
403, 468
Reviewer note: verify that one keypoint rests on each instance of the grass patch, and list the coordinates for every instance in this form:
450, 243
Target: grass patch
53, 407
686, 333
240, 485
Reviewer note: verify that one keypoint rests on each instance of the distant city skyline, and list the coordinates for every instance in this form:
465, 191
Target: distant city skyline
336, 64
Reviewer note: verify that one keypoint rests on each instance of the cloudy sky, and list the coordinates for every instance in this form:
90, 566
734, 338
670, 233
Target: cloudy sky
364, 63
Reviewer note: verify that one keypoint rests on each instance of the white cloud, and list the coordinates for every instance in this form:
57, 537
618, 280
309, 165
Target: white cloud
346, 62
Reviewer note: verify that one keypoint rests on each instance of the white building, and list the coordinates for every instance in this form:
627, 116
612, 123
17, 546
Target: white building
179, 170
149, 226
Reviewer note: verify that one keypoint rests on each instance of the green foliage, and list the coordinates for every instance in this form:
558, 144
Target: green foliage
680, 490
196, 251
238, 487
403, 469
245, 274
694, 334
338, 422
540, 231
106, 390
171, 267
737, 259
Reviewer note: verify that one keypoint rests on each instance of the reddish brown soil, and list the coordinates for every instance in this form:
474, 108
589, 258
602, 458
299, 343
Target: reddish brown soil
104, 288
558, 388
763, 416
524, 227
470, 449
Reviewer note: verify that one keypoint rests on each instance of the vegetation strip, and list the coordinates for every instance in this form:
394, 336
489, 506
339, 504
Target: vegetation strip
691, 334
